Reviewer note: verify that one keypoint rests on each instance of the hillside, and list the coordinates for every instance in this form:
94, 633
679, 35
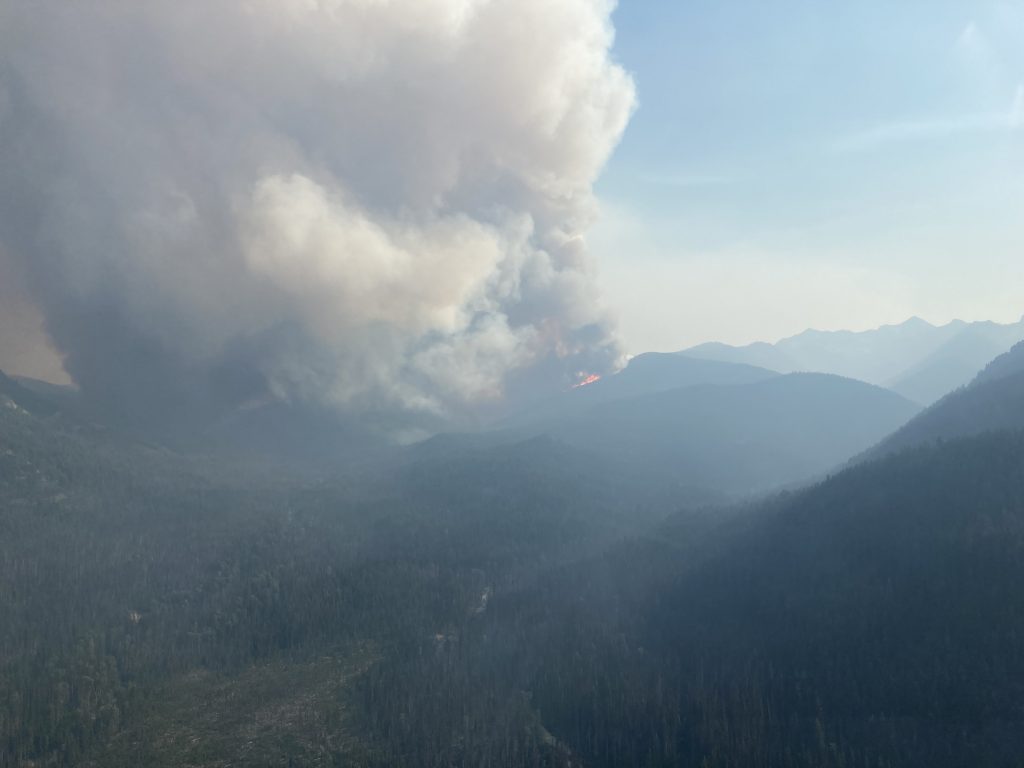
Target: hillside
956, 362
1004, 365
993, 401
871, 620
505, 601
740, 438
645, 374
136, 582
15, 395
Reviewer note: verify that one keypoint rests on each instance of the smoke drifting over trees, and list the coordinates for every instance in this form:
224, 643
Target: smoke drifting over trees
349, 202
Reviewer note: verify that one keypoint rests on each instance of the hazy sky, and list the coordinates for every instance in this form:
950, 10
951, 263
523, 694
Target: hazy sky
799, 163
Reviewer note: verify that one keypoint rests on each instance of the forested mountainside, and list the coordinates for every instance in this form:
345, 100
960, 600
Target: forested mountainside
1004, 365
14, 394
526, 602
155, 614
871, 620
994, 400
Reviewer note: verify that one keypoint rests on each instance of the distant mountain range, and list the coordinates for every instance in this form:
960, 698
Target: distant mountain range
714, 427
918, 360
529, 574
709, 427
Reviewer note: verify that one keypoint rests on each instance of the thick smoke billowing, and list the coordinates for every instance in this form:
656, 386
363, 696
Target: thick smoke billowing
368, 203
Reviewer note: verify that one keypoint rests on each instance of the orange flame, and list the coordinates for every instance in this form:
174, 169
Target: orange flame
588, 379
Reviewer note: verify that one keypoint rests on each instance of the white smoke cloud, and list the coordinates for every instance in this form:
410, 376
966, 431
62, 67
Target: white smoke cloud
342, 201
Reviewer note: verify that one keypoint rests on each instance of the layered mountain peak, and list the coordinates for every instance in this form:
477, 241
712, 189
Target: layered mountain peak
917, 359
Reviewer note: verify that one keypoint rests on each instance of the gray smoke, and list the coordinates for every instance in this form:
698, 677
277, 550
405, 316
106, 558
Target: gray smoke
351, 202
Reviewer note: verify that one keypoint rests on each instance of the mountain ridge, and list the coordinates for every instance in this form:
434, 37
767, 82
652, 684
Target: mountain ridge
746, 437
992, 402
919, 360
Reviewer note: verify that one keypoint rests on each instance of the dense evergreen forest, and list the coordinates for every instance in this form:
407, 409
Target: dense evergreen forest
503, 604
872, 620
139, 588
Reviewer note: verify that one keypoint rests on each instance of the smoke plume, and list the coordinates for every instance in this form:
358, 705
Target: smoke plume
361, 203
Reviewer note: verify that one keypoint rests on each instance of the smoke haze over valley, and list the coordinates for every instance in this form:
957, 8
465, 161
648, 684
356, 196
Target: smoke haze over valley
500, 383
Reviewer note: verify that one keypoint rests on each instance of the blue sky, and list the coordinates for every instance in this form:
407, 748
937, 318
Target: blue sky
799, 163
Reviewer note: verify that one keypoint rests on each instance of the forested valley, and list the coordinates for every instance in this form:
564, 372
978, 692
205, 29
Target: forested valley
512, 601
511, 384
